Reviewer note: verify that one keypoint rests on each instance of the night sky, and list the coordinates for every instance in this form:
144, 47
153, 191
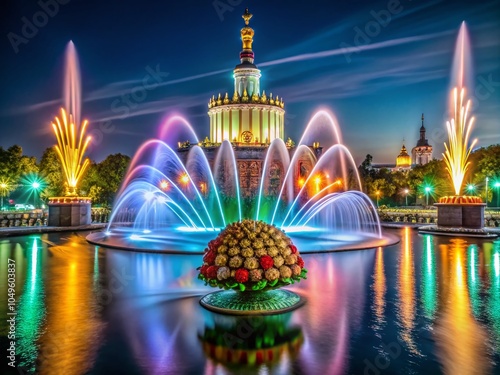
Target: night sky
377, 93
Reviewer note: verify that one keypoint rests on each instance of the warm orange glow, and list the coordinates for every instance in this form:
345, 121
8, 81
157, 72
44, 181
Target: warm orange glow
317, 182
203, 187
457, 151
164, 185
184, 179
406, 292
72, 311
300, 182
71, 148
379, 287
461, 341
460, 200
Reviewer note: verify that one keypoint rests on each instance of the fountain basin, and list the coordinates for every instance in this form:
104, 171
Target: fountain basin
182, 240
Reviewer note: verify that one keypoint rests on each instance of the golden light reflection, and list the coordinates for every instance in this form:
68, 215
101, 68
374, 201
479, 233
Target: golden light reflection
379, 287
406, 292
461, 341
71, 327
164, 185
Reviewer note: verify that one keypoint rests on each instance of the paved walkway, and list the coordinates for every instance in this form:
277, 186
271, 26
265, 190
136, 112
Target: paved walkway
21, 231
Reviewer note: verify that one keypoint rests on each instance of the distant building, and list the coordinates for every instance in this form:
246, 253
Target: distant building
403, 161
422, 153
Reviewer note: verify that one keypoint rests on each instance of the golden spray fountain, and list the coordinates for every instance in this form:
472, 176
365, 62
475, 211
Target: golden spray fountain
71, 148
459, 130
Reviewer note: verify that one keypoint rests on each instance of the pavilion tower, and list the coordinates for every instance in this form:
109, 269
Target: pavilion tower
247, 117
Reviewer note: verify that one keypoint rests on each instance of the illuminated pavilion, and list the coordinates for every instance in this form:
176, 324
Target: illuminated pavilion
249, 119
249, 116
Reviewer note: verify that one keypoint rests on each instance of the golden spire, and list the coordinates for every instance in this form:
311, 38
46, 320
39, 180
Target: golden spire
247, 32
244, 98
236, 97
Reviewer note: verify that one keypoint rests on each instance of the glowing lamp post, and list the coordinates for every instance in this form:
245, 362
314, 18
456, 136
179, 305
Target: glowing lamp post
471, 188
427, 190
3, 188
497, 185
406, 196
35, 185
378, 195
486, 192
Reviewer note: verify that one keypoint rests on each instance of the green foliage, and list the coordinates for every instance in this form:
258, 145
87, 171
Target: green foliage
485, 162
103, 180
51, 172
13, 164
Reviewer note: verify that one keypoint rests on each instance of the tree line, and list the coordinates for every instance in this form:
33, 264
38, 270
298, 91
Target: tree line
392, 185
100, 182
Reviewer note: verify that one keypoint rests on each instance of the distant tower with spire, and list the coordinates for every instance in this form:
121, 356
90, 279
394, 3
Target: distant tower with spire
422, 153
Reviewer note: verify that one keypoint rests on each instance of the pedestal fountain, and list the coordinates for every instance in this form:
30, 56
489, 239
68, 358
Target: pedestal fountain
71, 210
459, 214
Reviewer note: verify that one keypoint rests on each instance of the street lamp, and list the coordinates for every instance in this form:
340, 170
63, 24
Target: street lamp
486, 187
377, 194
35, 185
427, 191
471, 188
3, 186
406, 196
497, 185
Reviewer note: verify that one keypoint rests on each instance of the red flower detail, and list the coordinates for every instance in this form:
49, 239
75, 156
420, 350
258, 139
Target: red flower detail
266, 262
203, 270
300, 262
212, 272
209, 257
293, 248
241, 275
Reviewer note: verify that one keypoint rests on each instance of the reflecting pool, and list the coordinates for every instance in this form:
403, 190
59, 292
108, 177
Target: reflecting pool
426, 305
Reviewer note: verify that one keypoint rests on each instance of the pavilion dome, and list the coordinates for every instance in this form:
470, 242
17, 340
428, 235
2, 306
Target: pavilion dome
403, 160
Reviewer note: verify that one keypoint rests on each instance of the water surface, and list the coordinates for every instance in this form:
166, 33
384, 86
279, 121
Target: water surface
427, 305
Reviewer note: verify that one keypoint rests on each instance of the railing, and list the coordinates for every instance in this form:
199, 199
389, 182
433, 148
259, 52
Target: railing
428, 216
33, 218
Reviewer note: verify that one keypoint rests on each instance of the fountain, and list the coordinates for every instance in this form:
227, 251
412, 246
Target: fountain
174, 205
71, 210
179, 192
459, 213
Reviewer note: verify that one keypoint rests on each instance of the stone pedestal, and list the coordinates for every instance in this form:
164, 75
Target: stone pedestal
461, 215
69, 211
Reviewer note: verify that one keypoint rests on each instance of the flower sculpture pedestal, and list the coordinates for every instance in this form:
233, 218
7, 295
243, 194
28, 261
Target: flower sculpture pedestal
251, 260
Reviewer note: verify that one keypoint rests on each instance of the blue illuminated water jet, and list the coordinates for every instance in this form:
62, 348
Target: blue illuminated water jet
177, 203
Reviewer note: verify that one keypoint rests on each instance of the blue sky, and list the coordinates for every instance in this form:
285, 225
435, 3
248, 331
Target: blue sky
398, 66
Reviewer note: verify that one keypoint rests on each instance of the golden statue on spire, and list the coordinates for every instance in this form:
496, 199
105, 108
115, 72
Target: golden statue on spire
246, 16
247, 32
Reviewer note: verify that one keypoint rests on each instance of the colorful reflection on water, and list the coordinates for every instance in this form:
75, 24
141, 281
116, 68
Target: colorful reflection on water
427, 305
